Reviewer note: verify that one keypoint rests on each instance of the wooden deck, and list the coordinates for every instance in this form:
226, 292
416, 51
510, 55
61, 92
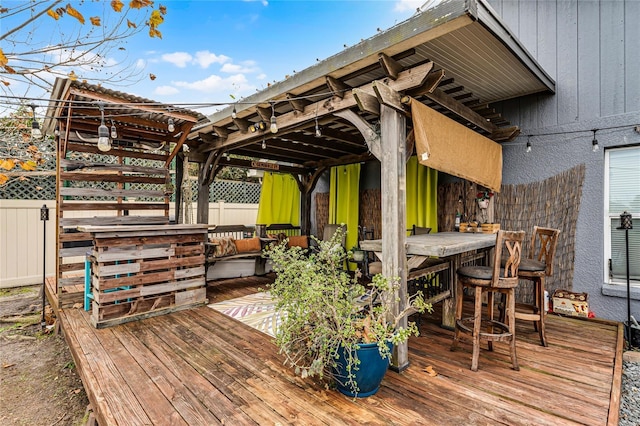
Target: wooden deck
198, 367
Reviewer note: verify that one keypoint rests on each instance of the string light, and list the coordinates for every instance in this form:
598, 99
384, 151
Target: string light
318, 132
274, 124
528, 148
36, 133
114, 131
594, 143
233, 113
56, 131
170, 126
260, 125
264, 144
104, 143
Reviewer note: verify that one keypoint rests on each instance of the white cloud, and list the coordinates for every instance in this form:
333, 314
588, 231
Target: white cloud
165, 90
261, 76
246, 67
204, 58
179, 59
215, 84
141, 64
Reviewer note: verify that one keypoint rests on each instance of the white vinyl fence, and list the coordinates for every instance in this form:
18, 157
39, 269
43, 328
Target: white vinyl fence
22, 235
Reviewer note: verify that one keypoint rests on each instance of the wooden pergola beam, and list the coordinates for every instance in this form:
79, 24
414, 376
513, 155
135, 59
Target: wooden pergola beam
183, 137
264, 113
407, 79
296, 103
367, 102
242, 124
446, 101
337, 87
390, 66
433, 80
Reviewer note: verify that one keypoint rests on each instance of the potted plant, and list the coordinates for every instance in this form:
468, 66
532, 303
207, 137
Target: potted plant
357, 254
328, 316
483, 198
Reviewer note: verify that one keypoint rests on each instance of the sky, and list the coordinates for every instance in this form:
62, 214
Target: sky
216, 51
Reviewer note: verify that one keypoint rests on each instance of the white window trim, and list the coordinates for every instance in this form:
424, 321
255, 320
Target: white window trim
607, 226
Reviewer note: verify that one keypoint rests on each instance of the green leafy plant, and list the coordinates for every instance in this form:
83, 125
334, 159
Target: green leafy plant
325, 310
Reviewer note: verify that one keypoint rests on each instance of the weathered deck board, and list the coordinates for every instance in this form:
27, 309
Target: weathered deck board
201, 367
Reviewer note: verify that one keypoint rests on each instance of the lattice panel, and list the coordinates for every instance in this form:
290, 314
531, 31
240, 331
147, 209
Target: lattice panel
234, 192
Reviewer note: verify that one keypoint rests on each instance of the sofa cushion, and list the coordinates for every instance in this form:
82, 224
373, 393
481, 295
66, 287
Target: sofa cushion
298, 241
248, 245
223, 246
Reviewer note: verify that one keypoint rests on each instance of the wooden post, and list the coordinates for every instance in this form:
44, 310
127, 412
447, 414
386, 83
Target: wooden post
202, 215
394, 187
177, 190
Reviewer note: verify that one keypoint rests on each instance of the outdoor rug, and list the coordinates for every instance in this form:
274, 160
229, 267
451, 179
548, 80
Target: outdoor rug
256, 310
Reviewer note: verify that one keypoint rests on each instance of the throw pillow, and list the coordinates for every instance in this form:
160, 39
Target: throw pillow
224, 246
248, 245
298, 241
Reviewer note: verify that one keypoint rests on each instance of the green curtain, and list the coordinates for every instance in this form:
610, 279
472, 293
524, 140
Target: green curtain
344, 200
279, 200
422, 195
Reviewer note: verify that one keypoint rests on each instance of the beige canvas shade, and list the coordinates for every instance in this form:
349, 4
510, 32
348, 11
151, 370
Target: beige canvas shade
448, 146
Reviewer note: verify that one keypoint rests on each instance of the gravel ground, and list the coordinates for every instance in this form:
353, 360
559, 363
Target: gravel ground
630, 400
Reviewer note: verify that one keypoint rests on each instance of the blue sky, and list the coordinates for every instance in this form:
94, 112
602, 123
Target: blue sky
213, 49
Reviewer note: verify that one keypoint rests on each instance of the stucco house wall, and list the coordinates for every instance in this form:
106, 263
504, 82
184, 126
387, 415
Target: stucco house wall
591, 50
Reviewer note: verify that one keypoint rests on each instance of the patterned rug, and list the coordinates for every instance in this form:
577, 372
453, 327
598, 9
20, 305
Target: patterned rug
256, 310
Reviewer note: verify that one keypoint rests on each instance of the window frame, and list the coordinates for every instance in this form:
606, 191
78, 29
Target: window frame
610, 217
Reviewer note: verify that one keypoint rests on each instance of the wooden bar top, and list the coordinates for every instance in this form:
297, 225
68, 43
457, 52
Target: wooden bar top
141, 228
440, 244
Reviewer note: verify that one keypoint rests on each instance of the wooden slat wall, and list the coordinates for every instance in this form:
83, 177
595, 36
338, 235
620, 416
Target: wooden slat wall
583, 45
141, 272
86, 165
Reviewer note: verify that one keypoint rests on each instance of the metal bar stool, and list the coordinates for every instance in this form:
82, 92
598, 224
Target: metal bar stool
490, 280
538, 265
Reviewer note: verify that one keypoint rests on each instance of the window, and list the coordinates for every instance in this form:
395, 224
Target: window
622, 193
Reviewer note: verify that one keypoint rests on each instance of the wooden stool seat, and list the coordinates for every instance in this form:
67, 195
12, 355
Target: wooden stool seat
490, 280
538, 266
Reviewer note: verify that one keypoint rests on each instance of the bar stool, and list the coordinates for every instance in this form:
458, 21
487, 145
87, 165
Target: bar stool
491, 279
538, 265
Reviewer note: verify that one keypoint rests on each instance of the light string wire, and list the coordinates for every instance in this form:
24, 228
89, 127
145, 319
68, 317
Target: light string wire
21, 101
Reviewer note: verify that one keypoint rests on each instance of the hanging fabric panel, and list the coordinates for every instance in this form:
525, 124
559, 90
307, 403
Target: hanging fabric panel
446, 145
279, 200
422, 195
344, 187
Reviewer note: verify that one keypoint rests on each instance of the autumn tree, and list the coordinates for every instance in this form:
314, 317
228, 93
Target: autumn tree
83, 45
80, 47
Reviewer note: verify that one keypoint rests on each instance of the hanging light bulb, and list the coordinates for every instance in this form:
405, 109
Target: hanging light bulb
170, 126
56, 131
104, 143
233, 113
274, 124
318, 132
264, 144
36, 133
114, 131
594, 142
528, 149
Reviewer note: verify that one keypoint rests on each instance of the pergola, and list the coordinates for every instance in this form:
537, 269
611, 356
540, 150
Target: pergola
456, 58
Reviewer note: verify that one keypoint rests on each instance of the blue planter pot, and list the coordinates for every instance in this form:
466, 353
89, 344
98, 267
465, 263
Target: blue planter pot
370, 373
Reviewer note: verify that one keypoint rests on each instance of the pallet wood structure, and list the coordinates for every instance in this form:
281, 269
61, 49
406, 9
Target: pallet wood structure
129, 184
142, 271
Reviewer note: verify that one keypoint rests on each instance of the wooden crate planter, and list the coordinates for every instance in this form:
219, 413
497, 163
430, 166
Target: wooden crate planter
143, 271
